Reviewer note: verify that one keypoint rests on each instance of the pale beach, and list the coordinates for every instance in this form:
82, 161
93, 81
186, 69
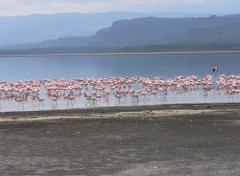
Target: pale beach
119, 141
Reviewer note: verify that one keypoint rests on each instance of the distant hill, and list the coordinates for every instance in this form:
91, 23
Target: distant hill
155, 31
160, 31
37, 28
152, 33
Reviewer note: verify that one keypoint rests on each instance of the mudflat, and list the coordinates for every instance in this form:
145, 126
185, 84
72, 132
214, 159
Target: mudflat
189, 139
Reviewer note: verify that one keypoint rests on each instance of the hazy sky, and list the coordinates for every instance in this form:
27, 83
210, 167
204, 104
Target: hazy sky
26, 7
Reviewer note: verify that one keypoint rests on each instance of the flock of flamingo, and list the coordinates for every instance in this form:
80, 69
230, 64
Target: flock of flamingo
111, 91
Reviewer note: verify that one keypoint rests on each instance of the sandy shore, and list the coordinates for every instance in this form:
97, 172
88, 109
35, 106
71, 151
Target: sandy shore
158, 111
189, 139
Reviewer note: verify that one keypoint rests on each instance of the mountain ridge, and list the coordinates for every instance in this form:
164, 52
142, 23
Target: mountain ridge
158, 31
150, 34
42, 27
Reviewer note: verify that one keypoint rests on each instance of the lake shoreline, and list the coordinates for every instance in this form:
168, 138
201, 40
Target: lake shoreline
125, 112
120, 53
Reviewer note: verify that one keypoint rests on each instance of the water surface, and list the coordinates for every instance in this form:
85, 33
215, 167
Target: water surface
165, 65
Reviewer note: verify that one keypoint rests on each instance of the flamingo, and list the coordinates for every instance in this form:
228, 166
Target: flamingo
119, 87
215, 69
135, 97
88, 98
54, 100
118, 96
19, 100
40, 100
71, 99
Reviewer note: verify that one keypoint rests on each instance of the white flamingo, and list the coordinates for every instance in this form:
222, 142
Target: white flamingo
40, 100
19, 100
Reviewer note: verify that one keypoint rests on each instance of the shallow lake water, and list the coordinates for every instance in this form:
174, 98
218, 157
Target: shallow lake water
167, 66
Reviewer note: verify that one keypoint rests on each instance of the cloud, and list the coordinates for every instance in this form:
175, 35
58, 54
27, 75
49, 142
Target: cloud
26, 7
193, 1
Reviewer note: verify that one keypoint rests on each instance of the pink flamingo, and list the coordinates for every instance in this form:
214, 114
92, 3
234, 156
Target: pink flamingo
54, 100
71, 99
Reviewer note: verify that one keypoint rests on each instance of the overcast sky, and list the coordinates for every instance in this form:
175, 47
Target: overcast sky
26, 7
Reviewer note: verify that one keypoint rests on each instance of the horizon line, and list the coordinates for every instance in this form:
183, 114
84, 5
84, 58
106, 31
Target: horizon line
153, 12
119, 53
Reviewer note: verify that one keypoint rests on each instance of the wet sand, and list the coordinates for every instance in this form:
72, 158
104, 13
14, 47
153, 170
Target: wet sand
123, 112
190, 139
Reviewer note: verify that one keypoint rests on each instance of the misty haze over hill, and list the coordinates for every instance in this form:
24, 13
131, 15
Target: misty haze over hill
163, 31
149, 34
38, 28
